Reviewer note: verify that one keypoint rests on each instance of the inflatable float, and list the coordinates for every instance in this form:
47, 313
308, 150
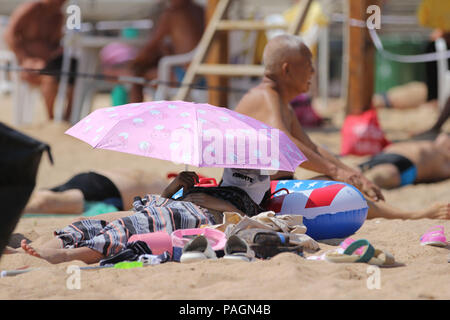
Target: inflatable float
330, 209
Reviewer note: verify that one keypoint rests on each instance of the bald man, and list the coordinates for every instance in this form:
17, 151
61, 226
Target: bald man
288, 72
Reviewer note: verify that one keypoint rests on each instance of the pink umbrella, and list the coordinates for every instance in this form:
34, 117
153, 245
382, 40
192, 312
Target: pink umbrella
195, 134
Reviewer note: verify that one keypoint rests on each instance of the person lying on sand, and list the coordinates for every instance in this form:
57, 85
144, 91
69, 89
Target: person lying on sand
117, 188
288, 72
92, 239
434, 131
410, 162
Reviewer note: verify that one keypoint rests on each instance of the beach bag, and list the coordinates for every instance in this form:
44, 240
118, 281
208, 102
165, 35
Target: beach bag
20, 156
362, 135
181, 237
268, 243
305, 113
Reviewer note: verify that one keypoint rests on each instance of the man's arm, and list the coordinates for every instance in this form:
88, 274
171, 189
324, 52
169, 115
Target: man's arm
161, 31
337, 170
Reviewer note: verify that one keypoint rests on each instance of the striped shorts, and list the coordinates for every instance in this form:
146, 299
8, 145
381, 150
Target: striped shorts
152, 213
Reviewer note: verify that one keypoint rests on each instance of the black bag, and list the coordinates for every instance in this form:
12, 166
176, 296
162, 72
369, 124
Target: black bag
20, 156
131, 252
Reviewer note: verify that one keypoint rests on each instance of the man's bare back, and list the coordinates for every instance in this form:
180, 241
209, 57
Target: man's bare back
182, 23
35, 31
186, 27
258, 104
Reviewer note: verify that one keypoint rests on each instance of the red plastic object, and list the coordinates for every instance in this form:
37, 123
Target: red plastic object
203, 181
362, 135
274, 204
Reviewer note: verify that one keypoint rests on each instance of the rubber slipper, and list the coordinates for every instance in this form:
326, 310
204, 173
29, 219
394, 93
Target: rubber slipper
382, 258
434, 237
349, 257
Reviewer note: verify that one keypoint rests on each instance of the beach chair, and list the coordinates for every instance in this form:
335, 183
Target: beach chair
6, 58
164, 90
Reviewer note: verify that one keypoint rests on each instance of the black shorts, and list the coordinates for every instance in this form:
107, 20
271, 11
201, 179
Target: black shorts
55, 65
94, 187
406, 168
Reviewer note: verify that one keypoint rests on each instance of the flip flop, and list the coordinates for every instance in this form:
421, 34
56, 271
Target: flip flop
348, 255
370, 255
434, 237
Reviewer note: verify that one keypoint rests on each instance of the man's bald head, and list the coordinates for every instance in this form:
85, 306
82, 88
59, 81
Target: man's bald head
288, 63
284, 49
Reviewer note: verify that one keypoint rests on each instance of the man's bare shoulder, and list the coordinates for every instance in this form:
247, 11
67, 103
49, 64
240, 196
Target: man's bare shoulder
260, 97
27, 8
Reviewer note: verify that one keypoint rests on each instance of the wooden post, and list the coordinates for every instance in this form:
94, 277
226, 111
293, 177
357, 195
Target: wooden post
218, 54
361, 60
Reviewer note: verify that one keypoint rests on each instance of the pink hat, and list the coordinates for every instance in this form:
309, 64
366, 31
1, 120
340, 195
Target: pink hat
117, 53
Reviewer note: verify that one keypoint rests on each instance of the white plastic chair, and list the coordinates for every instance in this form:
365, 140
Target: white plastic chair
24, 97
164, 91
443, 73
6, 58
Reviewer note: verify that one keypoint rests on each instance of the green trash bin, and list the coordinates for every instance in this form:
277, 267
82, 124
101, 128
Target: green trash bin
390, 73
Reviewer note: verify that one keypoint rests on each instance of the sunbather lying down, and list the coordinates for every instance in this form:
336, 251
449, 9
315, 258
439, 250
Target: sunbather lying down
92, 239
117, 188
410, 162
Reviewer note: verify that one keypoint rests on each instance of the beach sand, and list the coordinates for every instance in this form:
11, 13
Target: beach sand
424, 273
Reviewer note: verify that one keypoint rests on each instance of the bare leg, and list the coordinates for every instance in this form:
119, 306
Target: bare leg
380, 209
46, 201
69, 103
434, 131
53, 253
383, 210
408, 96
49, 89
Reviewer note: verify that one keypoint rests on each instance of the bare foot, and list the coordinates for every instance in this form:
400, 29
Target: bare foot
49, 254
9, 250
436, 211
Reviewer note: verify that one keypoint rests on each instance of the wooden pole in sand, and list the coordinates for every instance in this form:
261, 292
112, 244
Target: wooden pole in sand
218, 54
361, 67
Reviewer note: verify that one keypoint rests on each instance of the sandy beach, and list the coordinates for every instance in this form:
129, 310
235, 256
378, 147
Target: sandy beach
424, 272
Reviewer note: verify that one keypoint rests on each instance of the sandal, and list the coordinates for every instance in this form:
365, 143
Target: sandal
370, 255
238, 249
434, 237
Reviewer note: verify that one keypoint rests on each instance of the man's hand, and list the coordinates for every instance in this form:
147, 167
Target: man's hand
185, 180
359, 181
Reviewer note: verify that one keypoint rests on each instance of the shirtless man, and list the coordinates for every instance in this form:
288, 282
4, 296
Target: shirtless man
34, 33
410, 162
117, 188
288, 72
183, 23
